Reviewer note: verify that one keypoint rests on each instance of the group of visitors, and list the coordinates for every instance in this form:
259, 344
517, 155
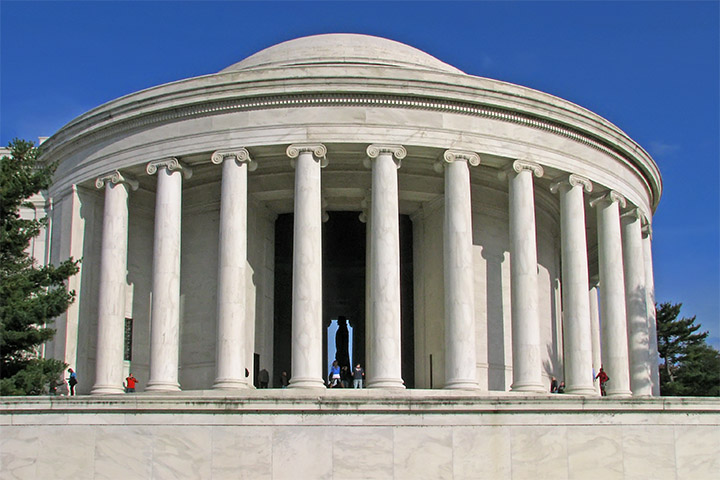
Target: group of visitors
340, 377
602, 376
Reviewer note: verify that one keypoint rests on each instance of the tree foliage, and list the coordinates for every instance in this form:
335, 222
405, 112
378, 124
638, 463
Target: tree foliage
30, 295
689, 366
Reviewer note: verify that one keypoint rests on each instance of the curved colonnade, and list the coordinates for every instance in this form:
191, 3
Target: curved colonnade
531, 225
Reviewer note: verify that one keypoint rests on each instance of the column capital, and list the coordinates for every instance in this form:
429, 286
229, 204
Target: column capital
240, 155
318, 150
171, 163
647, 231
632, 215
450, 156
518, 166
611, 196
398, 152
116, 177
572, 180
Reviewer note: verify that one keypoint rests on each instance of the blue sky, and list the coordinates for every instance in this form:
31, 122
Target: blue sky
652, 68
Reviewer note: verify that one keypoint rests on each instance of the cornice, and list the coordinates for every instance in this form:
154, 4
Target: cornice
82, 133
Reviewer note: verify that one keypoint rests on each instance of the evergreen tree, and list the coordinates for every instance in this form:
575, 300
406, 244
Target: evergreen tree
30, 295
690, 366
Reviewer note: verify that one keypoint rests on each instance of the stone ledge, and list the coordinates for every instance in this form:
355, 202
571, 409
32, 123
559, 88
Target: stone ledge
288, 401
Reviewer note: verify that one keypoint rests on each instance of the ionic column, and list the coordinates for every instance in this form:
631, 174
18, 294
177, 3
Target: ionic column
165, 321
576, 303
307, 370
636, 303
612, 294
385, 266
232, 257
111, 296
526, 354
460, 357
595, 331
653, 358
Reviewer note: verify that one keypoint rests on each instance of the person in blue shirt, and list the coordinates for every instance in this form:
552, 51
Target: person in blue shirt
335, 375
72, 381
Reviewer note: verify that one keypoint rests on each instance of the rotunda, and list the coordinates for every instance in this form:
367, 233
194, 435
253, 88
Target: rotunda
473, 234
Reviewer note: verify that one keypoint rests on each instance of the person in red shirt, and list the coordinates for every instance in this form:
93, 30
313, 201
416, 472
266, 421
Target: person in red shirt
130, 384
603, 377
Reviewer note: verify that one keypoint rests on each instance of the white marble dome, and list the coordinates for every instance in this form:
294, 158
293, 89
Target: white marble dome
341, 49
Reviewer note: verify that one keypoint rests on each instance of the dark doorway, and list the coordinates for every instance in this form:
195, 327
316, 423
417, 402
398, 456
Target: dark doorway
344, 238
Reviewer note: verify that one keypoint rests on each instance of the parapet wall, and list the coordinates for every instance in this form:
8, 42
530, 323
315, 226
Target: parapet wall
413, 434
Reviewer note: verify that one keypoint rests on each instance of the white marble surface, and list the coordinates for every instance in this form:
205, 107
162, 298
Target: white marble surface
307, 268
165, 320
460, 351
636, 305
653, 356
413, 434
527, 362
612, 295
576, 303
111, 290
385, 267
232, 259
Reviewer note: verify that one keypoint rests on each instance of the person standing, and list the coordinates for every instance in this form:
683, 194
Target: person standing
335, 375
72, 381
130, 382
358, 375
603, 377
264, 378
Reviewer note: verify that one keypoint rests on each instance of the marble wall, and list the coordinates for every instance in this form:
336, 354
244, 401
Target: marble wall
417, 438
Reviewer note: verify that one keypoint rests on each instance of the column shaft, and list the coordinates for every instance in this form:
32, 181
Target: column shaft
636, 304
111, 295
526, 354
385, 269
165, 320
232, 258
595, 333
612, 295
576, 302
653, 358
460, 357
307, 270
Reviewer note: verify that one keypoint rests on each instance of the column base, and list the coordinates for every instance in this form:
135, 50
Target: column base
529, 388
162, 387
230, 384
462, 385
587, 391
306, 383
618, 393
107, 390
391, 383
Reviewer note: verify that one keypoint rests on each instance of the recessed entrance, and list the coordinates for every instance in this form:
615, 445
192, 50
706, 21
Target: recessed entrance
344, 279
